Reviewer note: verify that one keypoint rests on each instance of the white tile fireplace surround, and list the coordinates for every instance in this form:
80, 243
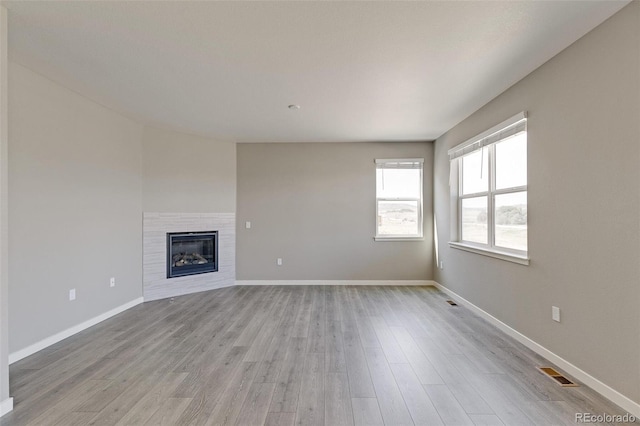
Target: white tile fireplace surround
154, 242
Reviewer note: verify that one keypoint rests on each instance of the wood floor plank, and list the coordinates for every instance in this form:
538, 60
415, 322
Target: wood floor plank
528, 404
317, 330
338, 410
290, 312
366, 412
392, 308
256, 404
42, 401
285, 398
217, 368
332, 300
390, 347
447, 405
260, 344
58, 412
280, 419
420, 406
360, 383
303, 317
500, 403
74, 419
228, 408
470, 398
206, 391
146, 406
486, 420
257, 320
272, 361
281, 355
124, 402
310, 410
392, 405
335, 361
423, 368
367, 333
169, 412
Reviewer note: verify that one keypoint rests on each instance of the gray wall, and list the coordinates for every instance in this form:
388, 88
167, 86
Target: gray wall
4, 242
187, 174
74, 208
81, 176
584, 210
314, 206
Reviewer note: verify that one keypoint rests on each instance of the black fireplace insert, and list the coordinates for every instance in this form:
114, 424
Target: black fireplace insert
190, 253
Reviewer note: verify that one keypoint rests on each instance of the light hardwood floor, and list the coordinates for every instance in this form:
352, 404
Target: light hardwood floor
306, 355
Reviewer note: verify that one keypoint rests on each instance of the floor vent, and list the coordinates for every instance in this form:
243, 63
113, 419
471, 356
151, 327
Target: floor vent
452, 303
562, 381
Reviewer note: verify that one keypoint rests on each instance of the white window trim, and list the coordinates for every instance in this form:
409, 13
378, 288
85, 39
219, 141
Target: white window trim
510, 257
400, 237
456, 154
458, 149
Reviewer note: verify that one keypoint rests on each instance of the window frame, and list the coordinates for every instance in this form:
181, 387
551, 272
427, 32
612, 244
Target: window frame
457, 196
401, 237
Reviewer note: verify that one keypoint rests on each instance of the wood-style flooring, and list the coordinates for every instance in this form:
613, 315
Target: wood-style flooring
304, 355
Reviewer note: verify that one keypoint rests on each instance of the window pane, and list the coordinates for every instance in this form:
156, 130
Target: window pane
398, 183
474, 220
475, 172
511, 162
511, 220
398, 218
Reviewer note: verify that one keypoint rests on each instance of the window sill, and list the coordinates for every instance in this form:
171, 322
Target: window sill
392, 238
509, 257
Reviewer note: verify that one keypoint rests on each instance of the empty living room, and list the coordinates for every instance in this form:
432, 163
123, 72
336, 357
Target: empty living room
317, 212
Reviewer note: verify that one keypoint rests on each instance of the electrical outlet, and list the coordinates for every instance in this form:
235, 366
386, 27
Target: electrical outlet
279, 261
72, 294
247, 225
555, 313
112, 282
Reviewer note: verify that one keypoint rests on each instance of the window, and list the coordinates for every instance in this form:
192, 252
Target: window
489, 189
399, 199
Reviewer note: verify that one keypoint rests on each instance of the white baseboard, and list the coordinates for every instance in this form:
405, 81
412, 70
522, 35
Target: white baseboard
31, 349
603, 389
6, 406
335, 282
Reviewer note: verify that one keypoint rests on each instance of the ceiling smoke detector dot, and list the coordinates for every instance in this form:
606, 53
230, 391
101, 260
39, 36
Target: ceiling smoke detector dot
294, 106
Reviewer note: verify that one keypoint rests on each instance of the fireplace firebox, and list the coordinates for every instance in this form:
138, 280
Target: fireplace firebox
190, 253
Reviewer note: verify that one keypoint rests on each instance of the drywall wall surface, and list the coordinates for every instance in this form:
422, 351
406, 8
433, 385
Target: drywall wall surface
4, 242
74, 208
583, 204
313, 205
187, 174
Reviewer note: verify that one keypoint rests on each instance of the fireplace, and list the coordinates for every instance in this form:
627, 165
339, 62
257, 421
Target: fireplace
190, 253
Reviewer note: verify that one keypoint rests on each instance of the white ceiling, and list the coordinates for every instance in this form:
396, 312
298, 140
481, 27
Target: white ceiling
361, 71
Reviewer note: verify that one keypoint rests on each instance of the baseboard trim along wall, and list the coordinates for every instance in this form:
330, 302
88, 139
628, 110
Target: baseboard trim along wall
603, 389
336, 282
6, 406
38, 346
